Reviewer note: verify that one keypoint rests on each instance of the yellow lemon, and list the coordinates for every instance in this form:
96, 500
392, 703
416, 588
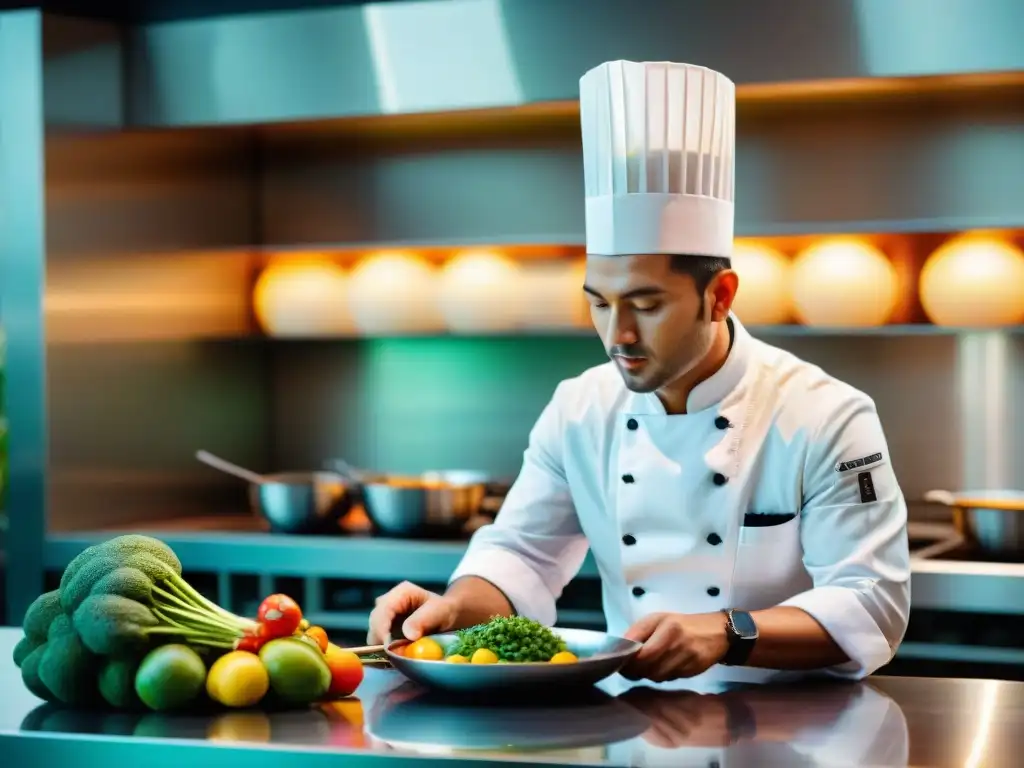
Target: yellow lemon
564, 657
484, 656
425, 649
457, 658
238, 679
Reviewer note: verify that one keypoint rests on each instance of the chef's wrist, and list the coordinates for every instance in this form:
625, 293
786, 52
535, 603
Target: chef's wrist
476, 600
724, 634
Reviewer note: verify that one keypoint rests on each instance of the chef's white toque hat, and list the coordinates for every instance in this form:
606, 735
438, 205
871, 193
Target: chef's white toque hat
658, 155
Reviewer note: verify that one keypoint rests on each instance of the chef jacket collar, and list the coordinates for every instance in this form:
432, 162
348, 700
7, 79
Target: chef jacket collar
714, 389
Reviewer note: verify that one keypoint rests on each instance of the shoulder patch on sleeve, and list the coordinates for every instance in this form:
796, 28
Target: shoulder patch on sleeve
852, 464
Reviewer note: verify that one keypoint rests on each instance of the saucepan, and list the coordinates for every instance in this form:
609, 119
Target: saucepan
435, 503
292, 502
994, 520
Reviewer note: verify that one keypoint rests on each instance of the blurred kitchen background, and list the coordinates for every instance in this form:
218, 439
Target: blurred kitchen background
331, 234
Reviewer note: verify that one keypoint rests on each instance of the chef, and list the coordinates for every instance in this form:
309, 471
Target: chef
739, 502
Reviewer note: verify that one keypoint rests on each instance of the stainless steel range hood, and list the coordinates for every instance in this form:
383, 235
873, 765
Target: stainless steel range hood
908, 162
443, 55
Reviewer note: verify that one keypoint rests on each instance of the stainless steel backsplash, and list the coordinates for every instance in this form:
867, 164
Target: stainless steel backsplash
413, 405
152, 247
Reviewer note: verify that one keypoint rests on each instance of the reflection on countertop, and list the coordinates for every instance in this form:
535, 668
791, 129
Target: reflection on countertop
886, 721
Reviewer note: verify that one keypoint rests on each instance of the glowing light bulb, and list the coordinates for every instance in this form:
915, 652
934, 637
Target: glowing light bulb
302, 296
765, 293
480, 290
974, 280
844, 282
394, 292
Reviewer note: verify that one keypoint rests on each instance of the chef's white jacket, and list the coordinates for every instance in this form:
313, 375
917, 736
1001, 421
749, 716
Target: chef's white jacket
669, 505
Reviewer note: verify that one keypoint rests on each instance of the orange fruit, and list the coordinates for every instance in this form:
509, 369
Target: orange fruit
319, 635
346, 671
425, 649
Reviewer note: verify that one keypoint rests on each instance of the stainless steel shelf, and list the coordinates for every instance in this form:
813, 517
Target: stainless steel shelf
975, 654
329, 557
763, 331
944, 585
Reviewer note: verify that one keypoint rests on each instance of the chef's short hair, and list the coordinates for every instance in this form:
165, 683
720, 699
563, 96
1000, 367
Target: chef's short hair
701, 268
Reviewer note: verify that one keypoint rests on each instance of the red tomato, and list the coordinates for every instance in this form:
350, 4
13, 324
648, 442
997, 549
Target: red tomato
250, 643
279, 615
346, 671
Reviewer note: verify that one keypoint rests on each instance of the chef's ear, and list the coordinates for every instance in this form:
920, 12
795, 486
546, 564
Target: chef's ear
721, 293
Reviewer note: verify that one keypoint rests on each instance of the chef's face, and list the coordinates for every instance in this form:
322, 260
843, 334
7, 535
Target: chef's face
657, 319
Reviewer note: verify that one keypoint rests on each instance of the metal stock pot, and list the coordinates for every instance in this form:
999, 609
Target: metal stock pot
431, 504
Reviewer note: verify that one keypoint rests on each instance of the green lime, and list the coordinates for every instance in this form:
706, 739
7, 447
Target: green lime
298, 672
170, 677
117, 683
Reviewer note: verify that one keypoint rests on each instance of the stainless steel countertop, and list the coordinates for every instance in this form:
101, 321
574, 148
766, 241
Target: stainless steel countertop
886, 721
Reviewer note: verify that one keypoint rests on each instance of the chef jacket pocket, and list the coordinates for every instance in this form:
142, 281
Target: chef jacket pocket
769, 560
769, 527
754, 520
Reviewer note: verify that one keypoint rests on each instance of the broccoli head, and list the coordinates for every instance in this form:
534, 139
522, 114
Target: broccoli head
30, 675
119, 549
103, 567
24, 647
69, 669
111, 625
61, 626
130, 544
40, 614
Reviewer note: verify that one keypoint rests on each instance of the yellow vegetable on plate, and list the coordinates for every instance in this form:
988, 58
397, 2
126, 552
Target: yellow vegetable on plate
564, 657
425, 649
484, 656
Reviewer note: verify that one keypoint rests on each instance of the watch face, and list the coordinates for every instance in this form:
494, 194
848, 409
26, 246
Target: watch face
744, 624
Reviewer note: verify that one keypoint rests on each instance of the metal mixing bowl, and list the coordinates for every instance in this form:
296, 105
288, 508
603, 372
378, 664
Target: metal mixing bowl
433, 504
301, 502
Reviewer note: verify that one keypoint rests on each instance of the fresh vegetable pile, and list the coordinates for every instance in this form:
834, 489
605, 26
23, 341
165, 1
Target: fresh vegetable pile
504, 640
125, 629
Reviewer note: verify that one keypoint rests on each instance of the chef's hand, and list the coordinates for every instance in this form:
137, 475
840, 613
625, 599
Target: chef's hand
428, 613
681, 718
676, 645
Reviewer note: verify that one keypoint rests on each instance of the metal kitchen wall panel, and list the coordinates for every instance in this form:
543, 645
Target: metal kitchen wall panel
951, 165
141, 295
417, 404
83, 73
440, 55
22, 269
